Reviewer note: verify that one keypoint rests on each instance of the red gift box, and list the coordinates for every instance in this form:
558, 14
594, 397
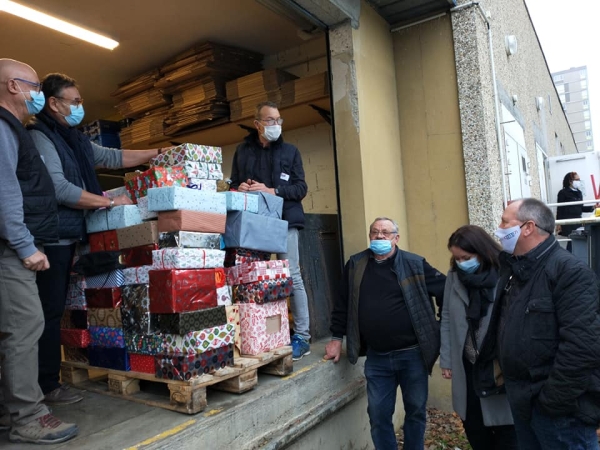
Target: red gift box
103, 297
156, 176
141, 363
103, 241
75, 338
173, 291
138, 256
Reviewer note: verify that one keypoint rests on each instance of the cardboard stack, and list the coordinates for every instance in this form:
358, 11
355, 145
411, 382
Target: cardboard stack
150, 126
304, 90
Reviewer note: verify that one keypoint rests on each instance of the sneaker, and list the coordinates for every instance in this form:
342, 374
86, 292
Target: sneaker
63, 396
44, 430
4, 422
300, 347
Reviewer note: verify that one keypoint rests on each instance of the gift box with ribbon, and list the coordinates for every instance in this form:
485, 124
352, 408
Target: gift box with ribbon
189, 152
136, 275
111, 219
183, 220
241, 201
187, 258
258, 271
189, 239
264, 327
235, 256
255, 232
173, 198
180, 290
155, 177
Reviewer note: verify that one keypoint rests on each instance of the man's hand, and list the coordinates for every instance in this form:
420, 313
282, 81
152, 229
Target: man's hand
333, 350
244, 187
260, 187
36, 262
447, 374
122, 200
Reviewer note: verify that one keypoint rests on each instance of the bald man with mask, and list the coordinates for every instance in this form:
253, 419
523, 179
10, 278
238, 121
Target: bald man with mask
28, 219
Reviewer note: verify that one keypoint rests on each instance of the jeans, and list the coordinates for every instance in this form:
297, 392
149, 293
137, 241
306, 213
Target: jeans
554, 433
21, 324
53, 285
298, 300
384, 373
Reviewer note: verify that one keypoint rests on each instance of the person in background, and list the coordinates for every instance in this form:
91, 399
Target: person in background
571, 192
265, 163
468, 298
28, 219
70, 158
385, 311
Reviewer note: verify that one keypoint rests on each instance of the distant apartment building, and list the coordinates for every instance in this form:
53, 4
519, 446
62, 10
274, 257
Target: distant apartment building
572, 87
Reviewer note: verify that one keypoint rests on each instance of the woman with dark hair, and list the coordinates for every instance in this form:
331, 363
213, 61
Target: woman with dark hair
571, 192
468, 297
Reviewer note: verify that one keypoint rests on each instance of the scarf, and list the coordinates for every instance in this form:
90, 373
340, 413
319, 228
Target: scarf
479, 286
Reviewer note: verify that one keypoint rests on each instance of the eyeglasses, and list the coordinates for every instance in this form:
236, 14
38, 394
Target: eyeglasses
271, 122
386, 234
37, 86
74, 102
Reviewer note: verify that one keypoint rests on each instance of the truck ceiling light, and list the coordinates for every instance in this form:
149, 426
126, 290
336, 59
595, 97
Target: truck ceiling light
54, 23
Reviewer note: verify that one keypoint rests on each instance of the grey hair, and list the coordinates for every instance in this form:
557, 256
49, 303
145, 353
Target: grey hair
389, 220
535, 210
260, 106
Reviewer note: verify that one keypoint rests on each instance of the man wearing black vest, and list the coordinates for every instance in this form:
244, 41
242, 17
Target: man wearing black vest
28, 219
385, 311
70, 158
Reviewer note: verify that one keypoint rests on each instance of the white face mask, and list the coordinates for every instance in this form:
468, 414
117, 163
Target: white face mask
272, 132
577, 184
508, 237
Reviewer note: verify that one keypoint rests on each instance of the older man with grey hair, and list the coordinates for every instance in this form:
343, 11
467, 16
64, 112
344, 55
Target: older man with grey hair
385, 311
545, 331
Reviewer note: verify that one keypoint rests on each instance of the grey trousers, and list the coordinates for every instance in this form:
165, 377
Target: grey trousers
299, 300
21, 325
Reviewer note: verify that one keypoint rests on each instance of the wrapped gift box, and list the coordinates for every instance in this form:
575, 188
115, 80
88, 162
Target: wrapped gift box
258, 271
111, 219
233, 318
264, 327
142, 203
173, 198
135, 309
136, 275
241, 201
107, 337
75, 338
262, 291
76, 293
187, 258
141, 363
254, 232
109, 358
200, 184
138, 235
116, 192
203, 171
189, 152
236, 256
191, 221
105, 317
177, 290
103, 241
74, 319
269, 205
184, 367
155, 177
75, 354
224, 296
186, 322
144, 344
189, 239
103, 297
111, 279
199, 341
138, 256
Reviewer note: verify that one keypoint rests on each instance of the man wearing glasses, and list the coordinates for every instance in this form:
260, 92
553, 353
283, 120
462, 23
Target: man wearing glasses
28, 219
385, 311
264, 163
70, 158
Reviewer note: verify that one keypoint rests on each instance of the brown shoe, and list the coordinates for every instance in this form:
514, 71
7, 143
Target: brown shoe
62, 396
44, 430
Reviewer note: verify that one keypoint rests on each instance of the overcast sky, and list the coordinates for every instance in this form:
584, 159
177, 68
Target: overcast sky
569, 32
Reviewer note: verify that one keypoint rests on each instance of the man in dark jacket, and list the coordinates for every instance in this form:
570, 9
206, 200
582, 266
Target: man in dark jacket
264, 163
548, 321
385, 309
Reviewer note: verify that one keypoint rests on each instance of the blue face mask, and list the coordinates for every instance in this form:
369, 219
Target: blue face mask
76, 115
381, 246
469, 266
37, 102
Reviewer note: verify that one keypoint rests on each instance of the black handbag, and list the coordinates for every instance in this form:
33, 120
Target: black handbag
97, 263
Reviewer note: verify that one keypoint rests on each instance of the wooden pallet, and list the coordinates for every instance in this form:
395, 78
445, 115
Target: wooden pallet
188, 397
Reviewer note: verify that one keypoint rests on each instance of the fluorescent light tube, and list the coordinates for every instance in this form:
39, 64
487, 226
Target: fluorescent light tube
57, 24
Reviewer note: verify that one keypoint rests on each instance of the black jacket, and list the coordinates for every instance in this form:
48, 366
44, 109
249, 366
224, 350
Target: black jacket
549, 346
418, 282
570, 212
284, 171
39, 201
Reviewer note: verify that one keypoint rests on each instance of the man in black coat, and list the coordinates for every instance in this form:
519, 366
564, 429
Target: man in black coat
548, 333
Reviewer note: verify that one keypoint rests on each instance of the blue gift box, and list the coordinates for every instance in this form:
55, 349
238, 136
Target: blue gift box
241, 201
255, 232
109, 358
171, 198
269, 205
111, 219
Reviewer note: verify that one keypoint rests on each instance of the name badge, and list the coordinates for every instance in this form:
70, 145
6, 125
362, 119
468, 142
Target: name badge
284, 176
